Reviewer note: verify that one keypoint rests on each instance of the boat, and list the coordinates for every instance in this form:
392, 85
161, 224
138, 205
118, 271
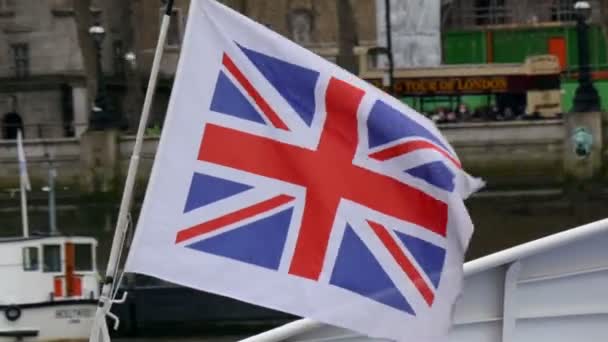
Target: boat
551, 289
49, 283
49, 287
154, 308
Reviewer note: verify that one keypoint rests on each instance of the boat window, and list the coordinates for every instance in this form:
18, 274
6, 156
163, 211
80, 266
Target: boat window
84, 256
52, 258
30, 259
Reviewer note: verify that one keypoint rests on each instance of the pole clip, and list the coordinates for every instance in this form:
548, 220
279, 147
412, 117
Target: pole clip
107, 305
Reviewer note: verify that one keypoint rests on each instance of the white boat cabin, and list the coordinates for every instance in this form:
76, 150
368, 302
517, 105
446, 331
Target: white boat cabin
40, 269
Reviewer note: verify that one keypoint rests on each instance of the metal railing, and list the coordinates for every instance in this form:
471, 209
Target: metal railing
461, 14
572, 70
58, 130
41, 130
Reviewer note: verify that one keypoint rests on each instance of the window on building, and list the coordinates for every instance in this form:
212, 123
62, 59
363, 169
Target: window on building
7, 8
30, 259
118, 57
490, 12
563, 10
51, 257
21, 58
300, 25
11, 123
174, 35
84, 257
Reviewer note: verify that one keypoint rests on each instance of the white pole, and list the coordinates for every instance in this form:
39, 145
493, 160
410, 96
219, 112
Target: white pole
470, 268
286, 331
24, 220
125, 204
24, 184
535, 247
52, 205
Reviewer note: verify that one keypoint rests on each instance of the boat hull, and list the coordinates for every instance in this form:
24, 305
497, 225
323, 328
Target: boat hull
171, 311
48, 321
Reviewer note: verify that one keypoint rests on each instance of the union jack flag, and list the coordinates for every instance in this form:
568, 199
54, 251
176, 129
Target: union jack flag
284, 181
345, 158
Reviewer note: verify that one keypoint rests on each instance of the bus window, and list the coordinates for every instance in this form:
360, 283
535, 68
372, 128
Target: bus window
51, 255
84, 256
30, 259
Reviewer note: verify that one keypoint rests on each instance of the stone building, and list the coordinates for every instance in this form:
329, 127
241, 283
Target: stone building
42, 83
508, 31
314, 24
460, 14
48, 64
47, 58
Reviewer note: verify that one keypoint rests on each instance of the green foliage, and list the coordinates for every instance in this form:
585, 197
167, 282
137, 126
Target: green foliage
154, 130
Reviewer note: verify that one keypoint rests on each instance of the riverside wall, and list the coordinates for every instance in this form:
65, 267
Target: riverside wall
507, 155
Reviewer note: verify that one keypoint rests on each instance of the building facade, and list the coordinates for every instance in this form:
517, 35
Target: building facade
48, 76
314, 24
508, 31
42, 81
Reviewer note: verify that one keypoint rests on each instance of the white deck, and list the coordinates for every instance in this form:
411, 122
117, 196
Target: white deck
559, 295
553, 289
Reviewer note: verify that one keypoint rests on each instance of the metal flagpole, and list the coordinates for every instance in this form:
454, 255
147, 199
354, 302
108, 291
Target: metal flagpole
24, 222
24, 184
389, 46
52, 207
105, 300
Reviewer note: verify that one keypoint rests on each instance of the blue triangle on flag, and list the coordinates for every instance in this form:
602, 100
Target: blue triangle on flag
428, 256
296, 84
386, 124
435, 173
205, 189
259, 243
357, 270
228, 99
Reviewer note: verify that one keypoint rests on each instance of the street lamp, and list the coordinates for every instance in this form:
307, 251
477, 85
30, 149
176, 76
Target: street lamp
133, 96
586, 98
131, 59
99, 116
389, 46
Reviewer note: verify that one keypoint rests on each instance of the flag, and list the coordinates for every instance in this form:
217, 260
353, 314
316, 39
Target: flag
284, 181
23, 176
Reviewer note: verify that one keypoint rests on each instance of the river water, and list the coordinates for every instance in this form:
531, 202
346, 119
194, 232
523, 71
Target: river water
500, 222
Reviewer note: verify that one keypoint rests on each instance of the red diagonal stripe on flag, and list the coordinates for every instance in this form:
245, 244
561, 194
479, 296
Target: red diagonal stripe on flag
404, 263
411, 146
233, 217
255, 95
